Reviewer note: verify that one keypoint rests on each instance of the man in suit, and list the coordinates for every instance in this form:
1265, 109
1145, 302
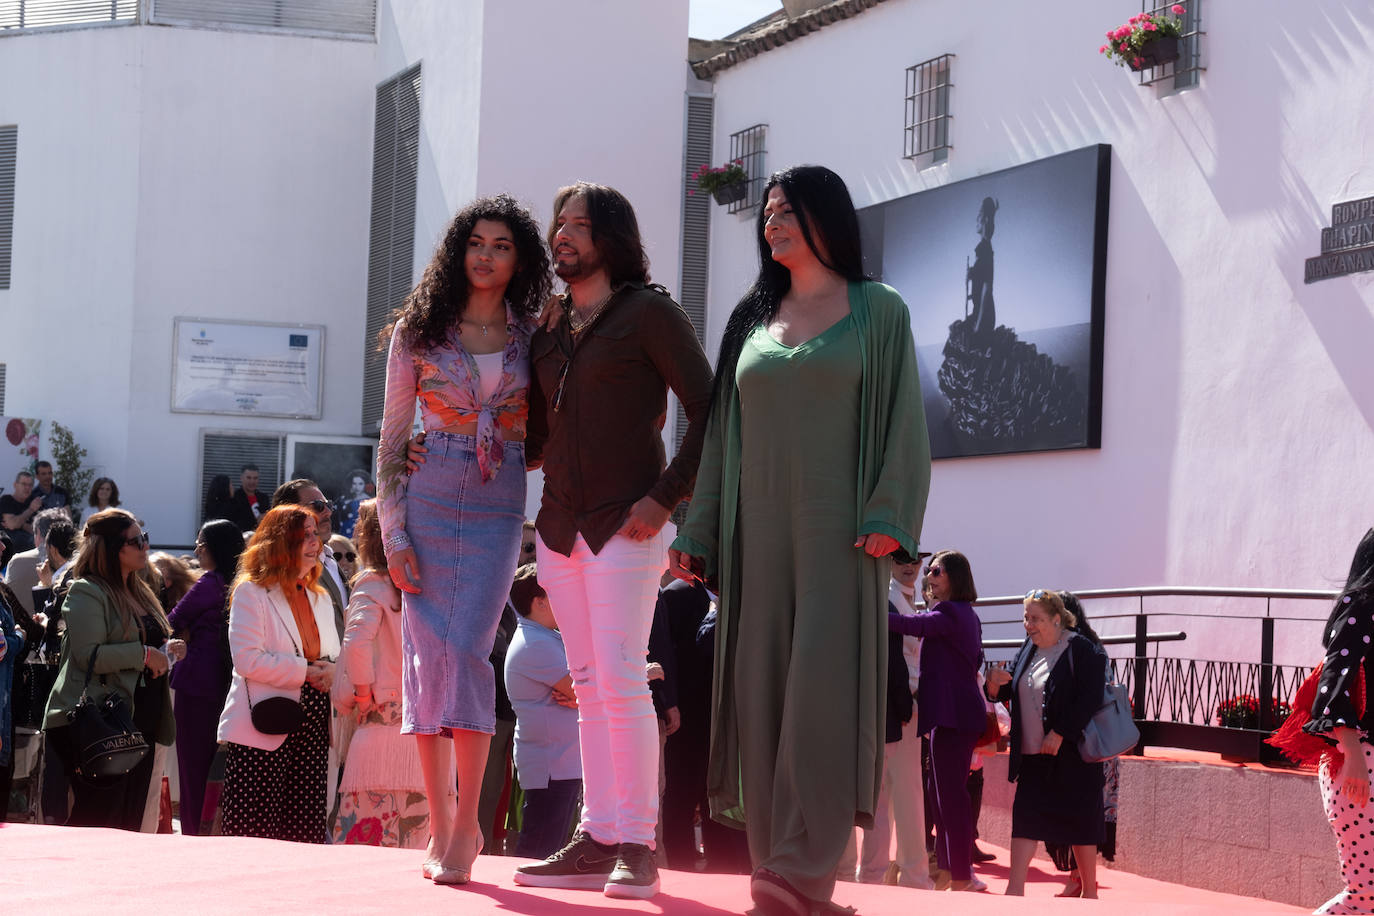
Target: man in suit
248, 504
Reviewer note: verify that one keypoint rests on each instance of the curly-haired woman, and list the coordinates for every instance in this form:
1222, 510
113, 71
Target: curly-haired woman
460, 345
283, 642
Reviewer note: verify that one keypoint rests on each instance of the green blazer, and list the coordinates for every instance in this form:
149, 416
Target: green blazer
894, 469
92, 620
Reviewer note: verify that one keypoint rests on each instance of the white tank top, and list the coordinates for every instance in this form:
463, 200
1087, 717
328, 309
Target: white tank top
488, 373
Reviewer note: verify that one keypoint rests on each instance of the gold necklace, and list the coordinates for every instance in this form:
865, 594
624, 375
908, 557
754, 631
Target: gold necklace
576, 325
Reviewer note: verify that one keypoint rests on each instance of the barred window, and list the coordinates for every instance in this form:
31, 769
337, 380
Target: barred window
1184, 73
927, 109
750, 147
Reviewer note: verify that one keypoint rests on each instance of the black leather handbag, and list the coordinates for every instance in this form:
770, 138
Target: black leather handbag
276, 715
103, 733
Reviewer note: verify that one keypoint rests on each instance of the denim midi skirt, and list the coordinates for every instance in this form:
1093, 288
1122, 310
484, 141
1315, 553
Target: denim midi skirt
466, 537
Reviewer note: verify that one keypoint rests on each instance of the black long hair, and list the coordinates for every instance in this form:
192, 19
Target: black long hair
1081, 626
439, 300
224, 543
1359, 584
826, 215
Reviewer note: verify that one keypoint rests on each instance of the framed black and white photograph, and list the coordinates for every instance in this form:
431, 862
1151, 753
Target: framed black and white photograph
1004, 275
342, 466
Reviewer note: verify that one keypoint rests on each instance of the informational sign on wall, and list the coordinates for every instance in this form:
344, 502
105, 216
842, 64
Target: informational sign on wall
1347, 245
247, 369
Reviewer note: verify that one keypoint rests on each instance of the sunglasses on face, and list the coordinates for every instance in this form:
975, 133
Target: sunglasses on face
934, 572
320, 505
348, 557
138, 540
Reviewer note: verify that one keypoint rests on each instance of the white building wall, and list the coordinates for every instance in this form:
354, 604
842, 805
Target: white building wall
68, 314
591, 91
254, 176
1238, 402
166, 172
524, 98
445, 38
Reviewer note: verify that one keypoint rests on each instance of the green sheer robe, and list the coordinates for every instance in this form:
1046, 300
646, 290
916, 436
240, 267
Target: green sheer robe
892, 461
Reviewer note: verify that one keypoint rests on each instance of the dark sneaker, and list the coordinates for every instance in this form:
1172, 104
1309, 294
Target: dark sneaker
635, 876
582, 864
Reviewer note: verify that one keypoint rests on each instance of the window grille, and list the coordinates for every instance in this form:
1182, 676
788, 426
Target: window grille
750, 147
391, 242
9, 154
40, 14
227, 451
329, 18
1184, 73
696, 238
927, 109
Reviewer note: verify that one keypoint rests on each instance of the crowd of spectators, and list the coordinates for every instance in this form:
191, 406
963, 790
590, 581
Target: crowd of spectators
208, 626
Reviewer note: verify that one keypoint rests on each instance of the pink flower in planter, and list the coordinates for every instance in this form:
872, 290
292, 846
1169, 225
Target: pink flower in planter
1138, 61
1151, 27
1102, 50
1177, 10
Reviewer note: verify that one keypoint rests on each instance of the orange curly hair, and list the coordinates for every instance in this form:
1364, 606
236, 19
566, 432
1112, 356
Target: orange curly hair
273, 556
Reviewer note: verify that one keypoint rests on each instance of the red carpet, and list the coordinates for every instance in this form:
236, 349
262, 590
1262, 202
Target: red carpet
110, 872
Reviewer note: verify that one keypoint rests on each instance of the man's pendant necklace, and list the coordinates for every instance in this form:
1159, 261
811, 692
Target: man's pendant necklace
578, 325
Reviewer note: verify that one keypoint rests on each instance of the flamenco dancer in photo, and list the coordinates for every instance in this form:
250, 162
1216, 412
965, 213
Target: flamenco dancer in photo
1001, 389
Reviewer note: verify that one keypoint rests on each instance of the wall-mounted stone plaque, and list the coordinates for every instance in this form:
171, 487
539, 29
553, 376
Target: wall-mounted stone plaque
1348, 245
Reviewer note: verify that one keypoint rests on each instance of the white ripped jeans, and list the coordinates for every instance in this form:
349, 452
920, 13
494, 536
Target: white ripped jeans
604, 604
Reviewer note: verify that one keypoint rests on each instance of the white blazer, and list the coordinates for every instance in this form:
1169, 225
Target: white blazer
266, 661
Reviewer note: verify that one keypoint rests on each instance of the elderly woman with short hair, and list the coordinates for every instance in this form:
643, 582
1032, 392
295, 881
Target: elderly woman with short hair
1055, 685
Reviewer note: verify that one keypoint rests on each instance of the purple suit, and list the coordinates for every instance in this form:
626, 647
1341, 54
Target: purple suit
951, 656
200, 680
950, 707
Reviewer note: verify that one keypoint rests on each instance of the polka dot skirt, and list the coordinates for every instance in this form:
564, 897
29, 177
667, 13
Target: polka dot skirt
1354, 829
281, 794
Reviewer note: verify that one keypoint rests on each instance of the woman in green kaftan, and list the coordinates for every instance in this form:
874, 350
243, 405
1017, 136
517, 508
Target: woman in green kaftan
815, 468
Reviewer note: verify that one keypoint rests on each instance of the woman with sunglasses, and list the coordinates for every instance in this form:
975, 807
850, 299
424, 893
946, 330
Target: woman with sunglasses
451, 530
115, 628
201, 680
1054, 685
948, 707
276, 719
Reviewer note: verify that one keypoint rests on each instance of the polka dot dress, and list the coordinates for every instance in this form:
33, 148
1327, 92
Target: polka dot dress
281, 794
1354, 828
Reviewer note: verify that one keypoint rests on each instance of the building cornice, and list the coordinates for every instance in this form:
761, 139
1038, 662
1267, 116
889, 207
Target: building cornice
780, 33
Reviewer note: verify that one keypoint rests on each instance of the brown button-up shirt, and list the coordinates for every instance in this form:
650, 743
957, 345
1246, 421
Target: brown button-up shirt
602, 449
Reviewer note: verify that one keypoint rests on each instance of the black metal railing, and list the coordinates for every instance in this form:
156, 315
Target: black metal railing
1176, 701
